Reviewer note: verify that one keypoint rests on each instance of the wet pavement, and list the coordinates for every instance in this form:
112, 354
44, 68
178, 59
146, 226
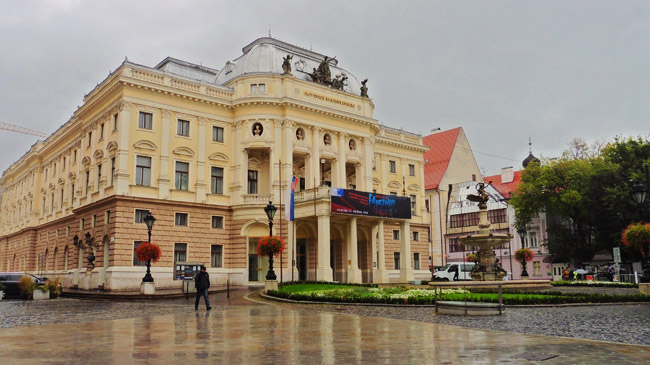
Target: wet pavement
238, 331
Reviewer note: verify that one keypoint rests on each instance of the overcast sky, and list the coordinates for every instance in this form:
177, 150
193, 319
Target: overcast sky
502, 70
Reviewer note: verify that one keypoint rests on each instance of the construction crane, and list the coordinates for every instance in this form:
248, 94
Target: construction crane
17, 129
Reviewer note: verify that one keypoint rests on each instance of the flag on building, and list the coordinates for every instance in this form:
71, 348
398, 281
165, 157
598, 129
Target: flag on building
291, 187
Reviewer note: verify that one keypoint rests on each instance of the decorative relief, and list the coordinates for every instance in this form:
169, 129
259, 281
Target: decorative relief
218, 156
184, 151
98, 155
414, 187
111, 146
394, 184
257, 129
72, 176
145, 145
86, 161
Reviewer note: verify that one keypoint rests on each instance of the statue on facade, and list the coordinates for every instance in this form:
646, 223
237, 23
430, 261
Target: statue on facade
322, 74
364, 88
327, 140
339, 81
257, 130
299, 134
286, 64
482, 197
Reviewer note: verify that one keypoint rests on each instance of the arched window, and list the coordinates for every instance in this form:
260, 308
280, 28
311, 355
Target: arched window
56, 259
45, 265
65, 258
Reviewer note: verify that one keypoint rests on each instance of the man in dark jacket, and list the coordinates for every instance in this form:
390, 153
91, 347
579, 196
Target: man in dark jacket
202, 284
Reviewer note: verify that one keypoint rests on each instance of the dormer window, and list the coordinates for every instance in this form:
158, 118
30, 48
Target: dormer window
258, 88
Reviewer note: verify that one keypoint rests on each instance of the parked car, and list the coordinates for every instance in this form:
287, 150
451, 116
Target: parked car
10, 281
454, 271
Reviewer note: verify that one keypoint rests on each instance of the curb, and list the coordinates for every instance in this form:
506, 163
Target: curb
135, 297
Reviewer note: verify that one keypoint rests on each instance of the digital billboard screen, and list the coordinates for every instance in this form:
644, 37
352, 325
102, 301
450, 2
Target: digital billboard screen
345, 201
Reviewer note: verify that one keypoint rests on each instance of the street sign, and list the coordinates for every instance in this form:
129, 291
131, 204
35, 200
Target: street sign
617, 254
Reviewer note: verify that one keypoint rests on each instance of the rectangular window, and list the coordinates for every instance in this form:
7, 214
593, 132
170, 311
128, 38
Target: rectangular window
61, 200
63, 165
532, 239
413, 204
101, 131
258, 88
217, 221
181, 219
391, 167
107, 217
90, 138
537, 268
416, 236
67, 231
216, 180
137, 262
416, 260
473, 177
411, 170
145, 120
87, 180
252, 182
74, 156
180, 253
396, 260
217, 134
139, 215
82, 223
112, 170
71, 194
216, 256
54, 170
455, 245
94, 220
115, 122
143, 170
52, 205
99, 175
426, 205
395, 234
182, 175
183, 128
497, 216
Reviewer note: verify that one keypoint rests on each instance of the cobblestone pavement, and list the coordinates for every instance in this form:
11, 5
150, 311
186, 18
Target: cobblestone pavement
272, 334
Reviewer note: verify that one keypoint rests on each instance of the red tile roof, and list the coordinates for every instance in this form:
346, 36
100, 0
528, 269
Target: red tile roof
504, 189
441, 146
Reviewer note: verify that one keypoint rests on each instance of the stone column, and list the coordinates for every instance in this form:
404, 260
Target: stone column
341, 178
405, 269
354, 273
200, 162
382, 273
315, 160
243, 173
383, 164
368, 156
373, 253
122, 159
163, 174
324, 270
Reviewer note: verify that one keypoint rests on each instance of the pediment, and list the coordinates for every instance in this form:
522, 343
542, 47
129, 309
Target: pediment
61, 181
394, 184
43, 191
254, 160
86, 160
111, 146
145, 145
414, 187
51, 186
376, 181
184, 151
72, 176
218, 156
98, 155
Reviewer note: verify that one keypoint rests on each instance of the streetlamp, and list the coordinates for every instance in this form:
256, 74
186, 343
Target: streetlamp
639, 194
149, 220
522, 235
270, 210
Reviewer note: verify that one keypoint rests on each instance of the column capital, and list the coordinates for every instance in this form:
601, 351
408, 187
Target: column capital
165, 113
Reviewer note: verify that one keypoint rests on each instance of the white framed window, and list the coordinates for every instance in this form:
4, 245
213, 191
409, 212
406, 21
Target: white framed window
183, 128
180, 253
217, 134
396, 260
392, 167
416, 260
216, 256
258, 88
396, 234
217, 222
181, 219
145, 120
182, 175
143, 170
216, 180
101, 131
411, 170
137, 262
416, 236
139, 215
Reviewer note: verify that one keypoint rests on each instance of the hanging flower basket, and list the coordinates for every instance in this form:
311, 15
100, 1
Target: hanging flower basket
524, 254
471, 257
148, 251
636, 236
270, 245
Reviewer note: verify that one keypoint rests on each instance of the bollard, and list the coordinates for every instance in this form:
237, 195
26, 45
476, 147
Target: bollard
500, 299
435, 297
228, 288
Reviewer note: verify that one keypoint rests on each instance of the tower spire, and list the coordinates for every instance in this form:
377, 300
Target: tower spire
530, 146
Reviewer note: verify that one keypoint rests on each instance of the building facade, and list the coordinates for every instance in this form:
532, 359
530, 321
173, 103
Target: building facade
204, 150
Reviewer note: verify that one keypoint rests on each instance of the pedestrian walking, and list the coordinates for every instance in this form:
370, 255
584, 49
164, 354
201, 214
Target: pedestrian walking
202, 284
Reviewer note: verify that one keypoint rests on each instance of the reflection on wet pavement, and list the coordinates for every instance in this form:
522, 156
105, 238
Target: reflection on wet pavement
275, 334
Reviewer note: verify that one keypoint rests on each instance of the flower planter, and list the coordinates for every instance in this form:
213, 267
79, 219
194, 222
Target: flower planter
644, 288
147, 288
41, 294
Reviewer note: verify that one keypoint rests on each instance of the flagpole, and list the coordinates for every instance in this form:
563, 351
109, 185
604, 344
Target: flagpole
280, 171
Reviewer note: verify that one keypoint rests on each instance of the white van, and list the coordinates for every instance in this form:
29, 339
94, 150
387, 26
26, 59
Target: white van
454, 271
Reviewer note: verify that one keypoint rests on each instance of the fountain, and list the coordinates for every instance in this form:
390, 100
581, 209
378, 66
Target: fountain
487, 268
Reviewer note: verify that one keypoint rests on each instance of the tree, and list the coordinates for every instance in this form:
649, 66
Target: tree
589, 197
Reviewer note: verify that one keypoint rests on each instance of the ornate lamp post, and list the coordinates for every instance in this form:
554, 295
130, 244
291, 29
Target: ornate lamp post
639, 195
149, 220
270, 210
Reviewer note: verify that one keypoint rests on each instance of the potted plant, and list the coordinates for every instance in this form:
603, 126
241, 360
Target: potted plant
148, 252
270, 246
26, 286
637, 236
54, 287
522, 256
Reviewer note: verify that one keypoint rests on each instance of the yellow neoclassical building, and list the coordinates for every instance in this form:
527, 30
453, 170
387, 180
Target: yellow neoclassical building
204, 151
